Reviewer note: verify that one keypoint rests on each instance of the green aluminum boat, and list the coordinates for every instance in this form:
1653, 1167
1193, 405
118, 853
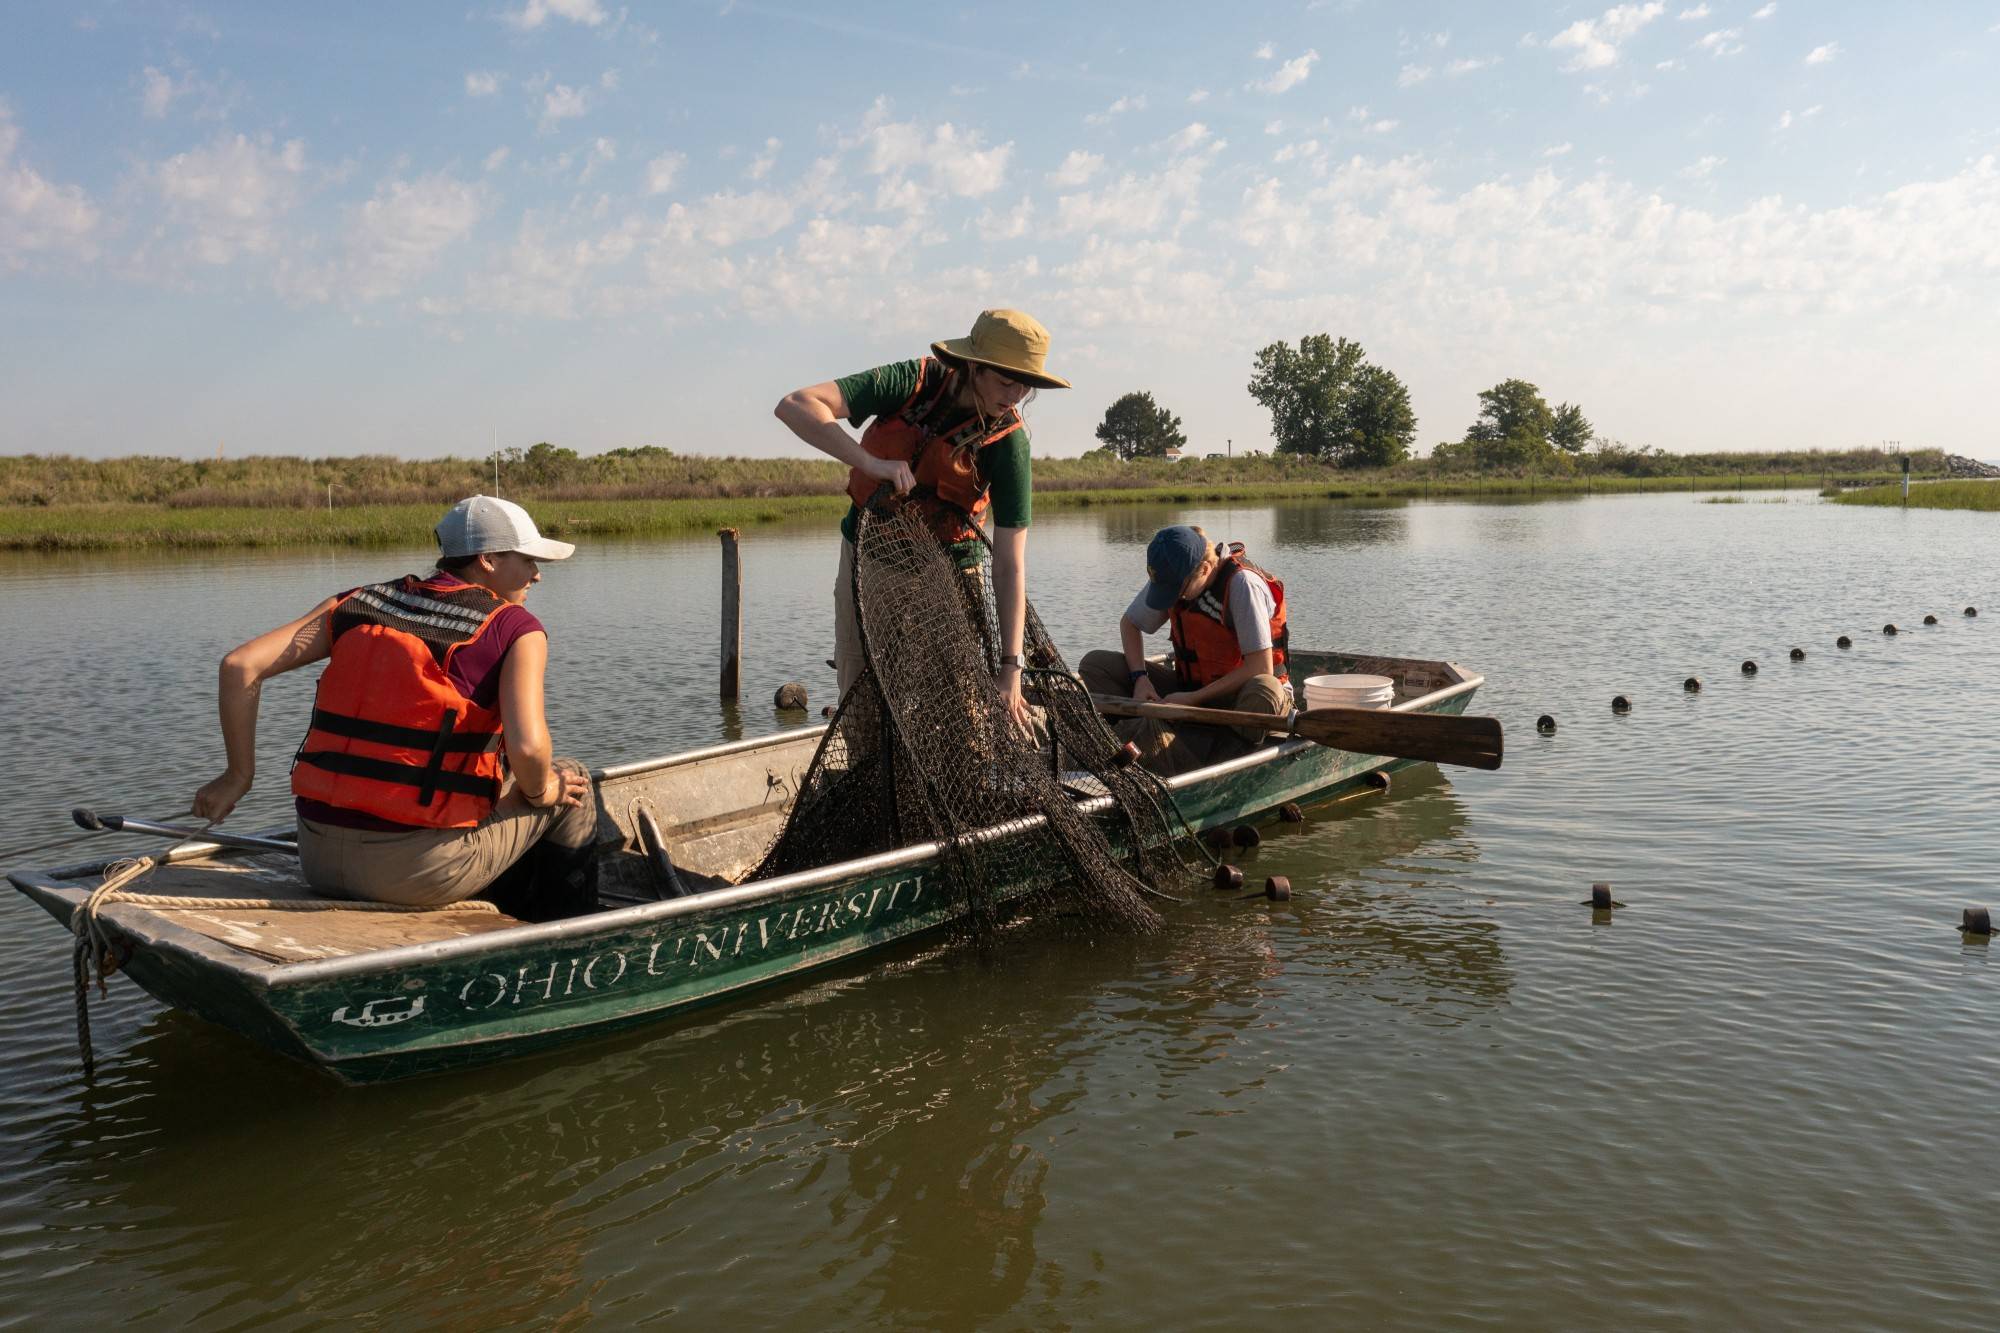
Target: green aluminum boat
370, 996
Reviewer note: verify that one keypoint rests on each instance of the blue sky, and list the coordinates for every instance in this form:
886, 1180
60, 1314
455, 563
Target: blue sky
418, 229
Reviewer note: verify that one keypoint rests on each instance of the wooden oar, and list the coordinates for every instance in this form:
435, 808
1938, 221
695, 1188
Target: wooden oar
1471, 742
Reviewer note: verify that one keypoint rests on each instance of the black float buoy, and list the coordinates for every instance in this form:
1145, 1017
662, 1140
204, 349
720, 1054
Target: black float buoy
827, 711
1245, 835
1749, 667
1843, 642
790, 698
1217, 838
1291, 813
1798, 654
1278, 889
1128, 755
1620, 704
1930, 620
1972, 610
1976, 921
1228, 877
1546, 725
1600, 899
1692, 684
1378, 779
1890, 628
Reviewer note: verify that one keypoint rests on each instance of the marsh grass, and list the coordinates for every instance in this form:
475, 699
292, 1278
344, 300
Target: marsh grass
63, 503
1982, 495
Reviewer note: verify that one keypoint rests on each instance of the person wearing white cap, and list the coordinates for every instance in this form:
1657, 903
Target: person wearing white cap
427, 771
948, 436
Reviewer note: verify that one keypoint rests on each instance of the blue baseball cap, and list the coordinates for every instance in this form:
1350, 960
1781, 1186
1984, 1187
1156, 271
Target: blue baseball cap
1172, 555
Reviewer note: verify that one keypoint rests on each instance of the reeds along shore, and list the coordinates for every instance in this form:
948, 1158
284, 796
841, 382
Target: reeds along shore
59, 503
1983, 495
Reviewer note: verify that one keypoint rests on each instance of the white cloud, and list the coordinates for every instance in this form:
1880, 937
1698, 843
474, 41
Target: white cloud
1596, 41
1558, 150
1274, 127
1823, 55
1470, 64
1288, 75
1077, 168
1703, 168
1197, 97
563, 102
1412, 75
1722, 42
497, 158
482, 83
1008, 226
730, 219
37, 216
1787, 119
1117, 108
158, 93
1690, 15
1189, 138
1135, 203
1265, 52
1766, 11
229, 195
918, 164
1304, 150
537, 12
1672, 64
662, 170
399, 234
764, 161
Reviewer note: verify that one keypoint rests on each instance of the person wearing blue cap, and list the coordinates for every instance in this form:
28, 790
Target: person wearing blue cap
427, 774
1226, 620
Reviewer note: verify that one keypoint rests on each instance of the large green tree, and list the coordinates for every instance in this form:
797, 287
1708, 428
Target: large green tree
1137, 427
1569, 431
1327, 402
1512, 411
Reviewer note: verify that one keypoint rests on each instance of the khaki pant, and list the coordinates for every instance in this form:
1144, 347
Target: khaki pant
1171, 748
429, 867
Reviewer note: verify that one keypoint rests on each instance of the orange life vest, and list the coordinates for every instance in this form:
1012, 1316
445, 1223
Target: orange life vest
1205, 647
392, 735
941, 442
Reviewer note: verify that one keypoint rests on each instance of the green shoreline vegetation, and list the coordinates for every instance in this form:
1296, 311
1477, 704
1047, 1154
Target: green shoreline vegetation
62, 503
1982, 495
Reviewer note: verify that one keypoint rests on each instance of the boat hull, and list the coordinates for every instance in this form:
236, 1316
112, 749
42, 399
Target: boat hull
419, 1009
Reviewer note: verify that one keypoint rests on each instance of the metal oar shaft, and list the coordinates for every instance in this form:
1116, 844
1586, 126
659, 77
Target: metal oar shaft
89, 819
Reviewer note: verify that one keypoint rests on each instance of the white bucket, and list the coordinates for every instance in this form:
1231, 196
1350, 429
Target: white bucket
1350, 691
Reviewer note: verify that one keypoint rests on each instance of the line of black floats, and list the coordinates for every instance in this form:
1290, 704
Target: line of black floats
1976, 921
1546, 723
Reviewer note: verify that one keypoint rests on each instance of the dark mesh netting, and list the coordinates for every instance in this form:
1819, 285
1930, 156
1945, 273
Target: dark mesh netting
922, 750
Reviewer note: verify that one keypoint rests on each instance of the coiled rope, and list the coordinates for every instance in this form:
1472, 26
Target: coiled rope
93, 940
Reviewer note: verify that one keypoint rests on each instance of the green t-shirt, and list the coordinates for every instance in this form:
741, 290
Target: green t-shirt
1004, 465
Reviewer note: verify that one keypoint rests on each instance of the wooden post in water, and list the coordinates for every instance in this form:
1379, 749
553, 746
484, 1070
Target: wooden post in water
732, 617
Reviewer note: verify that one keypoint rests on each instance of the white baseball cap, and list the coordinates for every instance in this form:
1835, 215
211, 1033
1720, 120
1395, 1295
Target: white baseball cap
488, 525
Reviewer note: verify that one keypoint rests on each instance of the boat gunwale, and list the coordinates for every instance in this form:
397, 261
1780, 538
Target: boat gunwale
159, 931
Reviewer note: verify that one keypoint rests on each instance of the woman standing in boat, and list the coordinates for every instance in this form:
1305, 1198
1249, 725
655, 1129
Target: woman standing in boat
947, 433
430, 703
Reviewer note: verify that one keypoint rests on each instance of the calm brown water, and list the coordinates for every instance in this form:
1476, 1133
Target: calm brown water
1430, 1090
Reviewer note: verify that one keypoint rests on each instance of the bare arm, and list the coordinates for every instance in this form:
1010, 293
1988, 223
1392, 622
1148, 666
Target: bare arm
1133, 640
814, 415
525, 724
1010, 596
239, 684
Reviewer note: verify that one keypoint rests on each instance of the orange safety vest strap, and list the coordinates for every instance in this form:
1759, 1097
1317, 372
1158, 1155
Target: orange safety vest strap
385, 733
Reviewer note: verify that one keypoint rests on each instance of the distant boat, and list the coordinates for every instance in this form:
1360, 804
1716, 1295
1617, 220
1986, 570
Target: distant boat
371, 996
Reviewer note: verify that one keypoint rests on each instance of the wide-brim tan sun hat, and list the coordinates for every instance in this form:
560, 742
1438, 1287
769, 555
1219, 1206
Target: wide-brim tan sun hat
1013, 342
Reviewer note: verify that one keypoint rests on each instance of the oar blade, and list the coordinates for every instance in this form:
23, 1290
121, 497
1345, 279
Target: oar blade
1442, 738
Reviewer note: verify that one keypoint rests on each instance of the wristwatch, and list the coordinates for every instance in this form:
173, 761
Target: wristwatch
1134, 677
1011, 660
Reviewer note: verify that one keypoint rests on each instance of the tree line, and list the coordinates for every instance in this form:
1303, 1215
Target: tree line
1329, 403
